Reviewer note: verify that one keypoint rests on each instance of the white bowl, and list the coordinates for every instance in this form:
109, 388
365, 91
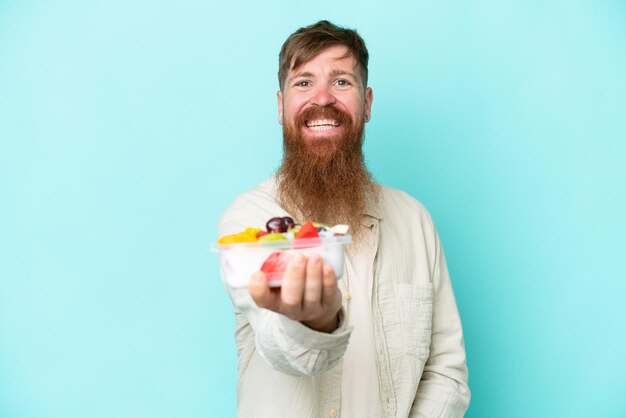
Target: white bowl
239, 261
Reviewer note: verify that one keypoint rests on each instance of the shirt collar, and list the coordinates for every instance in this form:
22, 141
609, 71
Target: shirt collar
373, 207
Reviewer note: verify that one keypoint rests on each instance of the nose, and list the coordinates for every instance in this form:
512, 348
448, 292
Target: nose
323, 96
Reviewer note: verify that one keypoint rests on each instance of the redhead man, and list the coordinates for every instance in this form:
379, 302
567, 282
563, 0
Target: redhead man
385, 340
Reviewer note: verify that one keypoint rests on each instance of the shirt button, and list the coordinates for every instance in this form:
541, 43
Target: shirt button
333, 413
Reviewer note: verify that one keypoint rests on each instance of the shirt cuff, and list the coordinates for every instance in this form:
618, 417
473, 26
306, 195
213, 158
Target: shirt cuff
307, 337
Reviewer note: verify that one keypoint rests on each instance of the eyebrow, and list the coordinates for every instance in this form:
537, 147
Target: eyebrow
333, 73
306, 74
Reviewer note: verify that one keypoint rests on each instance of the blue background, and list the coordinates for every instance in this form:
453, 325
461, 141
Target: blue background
126, 128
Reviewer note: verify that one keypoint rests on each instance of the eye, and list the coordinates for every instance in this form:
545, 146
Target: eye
343, 83
302, 83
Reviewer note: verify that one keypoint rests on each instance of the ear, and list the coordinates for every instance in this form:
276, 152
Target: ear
369, 98
279, 98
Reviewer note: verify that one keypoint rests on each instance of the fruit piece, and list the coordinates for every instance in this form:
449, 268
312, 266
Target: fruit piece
276, 224
275, 265
252, 231
245, 237
236, 238
279, 224
261, 233
249, 235
273, 236
227, 239
340, 229
308, 230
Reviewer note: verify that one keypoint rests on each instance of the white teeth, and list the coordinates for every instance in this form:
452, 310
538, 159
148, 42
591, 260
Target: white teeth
322, 125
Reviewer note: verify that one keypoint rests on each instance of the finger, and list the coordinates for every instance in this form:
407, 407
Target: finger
330, 292
293, 286
313, 283
259, 290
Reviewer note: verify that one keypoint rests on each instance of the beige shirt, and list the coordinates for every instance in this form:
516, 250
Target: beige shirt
289, 370
360, 356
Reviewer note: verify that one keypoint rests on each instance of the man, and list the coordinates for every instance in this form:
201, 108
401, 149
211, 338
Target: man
386, 339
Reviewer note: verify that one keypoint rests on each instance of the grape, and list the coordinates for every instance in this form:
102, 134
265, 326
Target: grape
279, 224
275, 225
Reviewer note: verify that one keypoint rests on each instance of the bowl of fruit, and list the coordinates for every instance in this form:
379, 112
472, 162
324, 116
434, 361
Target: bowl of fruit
268, 250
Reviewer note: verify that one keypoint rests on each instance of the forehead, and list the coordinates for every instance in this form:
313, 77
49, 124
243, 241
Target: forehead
333, 57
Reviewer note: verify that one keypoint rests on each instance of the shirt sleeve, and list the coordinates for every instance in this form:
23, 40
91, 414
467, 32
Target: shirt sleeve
289, 346
443, 390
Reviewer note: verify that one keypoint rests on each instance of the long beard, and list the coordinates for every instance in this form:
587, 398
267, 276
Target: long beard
325, 180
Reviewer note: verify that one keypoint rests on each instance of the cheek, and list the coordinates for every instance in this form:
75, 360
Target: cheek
354, 105
293, 105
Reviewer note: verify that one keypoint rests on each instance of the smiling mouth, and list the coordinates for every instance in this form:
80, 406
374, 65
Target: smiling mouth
322, 124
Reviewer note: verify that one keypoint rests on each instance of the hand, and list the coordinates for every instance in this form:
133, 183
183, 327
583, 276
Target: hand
309, 293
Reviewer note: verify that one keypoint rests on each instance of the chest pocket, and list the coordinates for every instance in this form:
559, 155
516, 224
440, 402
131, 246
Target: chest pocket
416, 313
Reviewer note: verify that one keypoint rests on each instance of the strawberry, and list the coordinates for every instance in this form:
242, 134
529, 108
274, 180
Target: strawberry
275, 265
307, 230
261, 233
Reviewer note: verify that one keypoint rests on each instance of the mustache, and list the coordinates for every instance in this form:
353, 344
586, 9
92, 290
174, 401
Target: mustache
324, 112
